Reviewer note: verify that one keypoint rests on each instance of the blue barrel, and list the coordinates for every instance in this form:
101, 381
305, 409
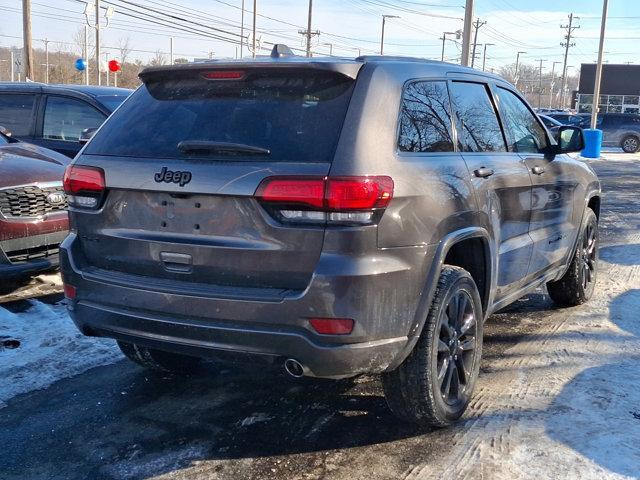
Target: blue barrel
592, 142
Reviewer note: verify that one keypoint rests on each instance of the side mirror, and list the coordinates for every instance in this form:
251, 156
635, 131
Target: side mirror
86, 135
5, 131
570, 139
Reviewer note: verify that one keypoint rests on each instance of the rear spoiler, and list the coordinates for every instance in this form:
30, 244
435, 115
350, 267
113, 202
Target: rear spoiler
347, 67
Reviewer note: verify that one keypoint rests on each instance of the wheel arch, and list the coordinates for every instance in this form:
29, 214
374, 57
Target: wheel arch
452, 248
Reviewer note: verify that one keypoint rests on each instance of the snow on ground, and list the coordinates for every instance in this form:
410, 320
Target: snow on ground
51, 348
565, 402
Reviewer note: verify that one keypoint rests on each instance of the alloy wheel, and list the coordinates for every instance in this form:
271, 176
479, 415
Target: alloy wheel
630, 144
589, 253
457, 343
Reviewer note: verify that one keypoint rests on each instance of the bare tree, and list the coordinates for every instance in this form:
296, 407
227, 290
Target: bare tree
124, 48
159, 58
78, 44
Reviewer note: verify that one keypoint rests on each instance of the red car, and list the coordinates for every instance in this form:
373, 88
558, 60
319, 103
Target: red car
33, 217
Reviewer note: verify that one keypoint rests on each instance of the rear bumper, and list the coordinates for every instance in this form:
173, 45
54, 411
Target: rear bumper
380, 294
193, 336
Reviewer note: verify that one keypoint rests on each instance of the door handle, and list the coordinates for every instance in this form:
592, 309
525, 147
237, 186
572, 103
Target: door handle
538, 170
483, 172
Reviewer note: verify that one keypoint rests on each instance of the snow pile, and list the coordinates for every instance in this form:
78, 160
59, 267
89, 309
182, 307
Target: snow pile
51, 348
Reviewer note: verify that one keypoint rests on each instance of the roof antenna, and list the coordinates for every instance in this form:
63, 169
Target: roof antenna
281, 50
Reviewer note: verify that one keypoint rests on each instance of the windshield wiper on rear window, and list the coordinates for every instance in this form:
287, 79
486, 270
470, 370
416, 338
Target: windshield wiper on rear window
220, 148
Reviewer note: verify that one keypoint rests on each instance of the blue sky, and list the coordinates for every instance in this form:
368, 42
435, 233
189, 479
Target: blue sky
349, 25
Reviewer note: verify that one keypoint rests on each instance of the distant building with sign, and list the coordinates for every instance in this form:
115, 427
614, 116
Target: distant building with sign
619, 90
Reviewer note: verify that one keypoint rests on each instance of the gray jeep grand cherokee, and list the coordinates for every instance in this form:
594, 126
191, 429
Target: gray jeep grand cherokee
332, 216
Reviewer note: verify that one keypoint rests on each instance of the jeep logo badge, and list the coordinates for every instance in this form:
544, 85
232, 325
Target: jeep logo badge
55, 198
167, 176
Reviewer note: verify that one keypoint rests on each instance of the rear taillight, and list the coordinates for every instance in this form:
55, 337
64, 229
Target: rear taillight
84, 186
344, 200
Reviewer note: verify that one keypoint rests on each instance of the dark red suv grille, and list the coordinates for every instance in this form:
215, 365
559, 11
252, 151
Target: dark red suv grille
31, 201
35, 253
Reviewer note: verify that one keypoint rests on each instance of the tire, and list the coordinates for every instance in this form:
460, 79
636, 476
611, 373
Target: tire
158, 360
630, 144
578, 283
417, 390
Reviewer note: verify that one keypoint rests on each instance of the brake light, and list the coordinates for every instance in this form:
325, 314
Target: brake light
224, 75
84, 186
358, 193
345, 200
69, 291
332, 326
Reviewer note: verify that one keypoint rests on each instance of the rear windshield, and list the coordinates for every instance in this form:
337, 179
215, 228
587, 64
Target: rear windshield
296, 115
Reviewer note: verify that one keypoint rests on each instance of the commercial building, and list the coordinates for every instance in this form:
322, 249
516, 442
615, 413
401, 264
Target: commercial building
619, 89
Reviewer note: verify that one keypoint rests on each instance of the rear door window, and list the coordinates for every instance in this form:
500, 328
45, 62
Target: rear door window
16, 112
524, 132
476, 119
65, 118
295, 114
425, 118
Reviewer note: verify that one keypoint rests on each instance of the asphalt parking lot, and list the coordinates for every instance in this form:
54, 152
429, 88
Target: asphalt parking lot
556, 388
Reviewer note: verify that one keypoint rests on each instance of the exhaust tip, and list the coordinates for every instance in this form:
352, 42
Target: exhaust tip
293, 368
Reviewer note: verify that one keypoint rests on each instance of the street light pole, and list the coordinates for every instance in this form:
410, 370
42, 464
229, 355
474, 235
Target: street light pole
515, 75
46, 60
553, 83
254, 28
242, 29
458, 34
85, 54
540, 83
484, 54
596, 87
466, 33
97, 12
384, 20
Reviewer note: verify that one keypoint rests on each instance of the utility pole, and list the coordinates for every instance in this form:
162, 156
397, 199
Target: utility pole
477, 26
46, 60
27, 56
12, 66
569, 28
384, 21
309, 28
515, 75
484, 55
540, 83
553, 83
596, 86
242, 28
466, 33
254, 28
170, 50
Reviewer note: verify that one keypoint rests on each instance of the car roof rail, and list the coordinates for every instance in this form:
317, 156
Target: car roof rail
281, 50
